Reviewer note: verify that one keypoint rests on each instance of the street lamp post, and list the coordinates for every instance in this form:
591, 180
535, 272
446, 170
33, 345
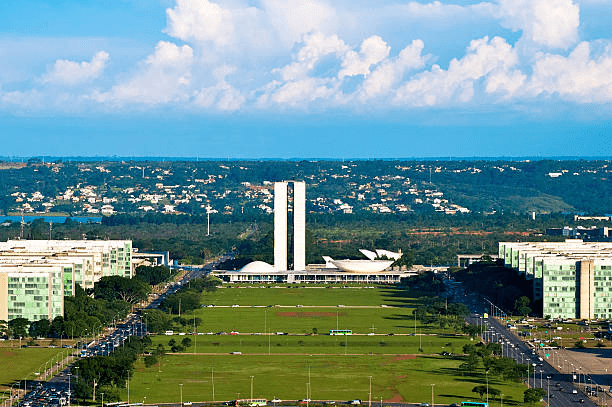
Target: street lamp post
432, 395
534, 374
252, 389
487, 377
181, 390
69, 389
102, 399
548, 391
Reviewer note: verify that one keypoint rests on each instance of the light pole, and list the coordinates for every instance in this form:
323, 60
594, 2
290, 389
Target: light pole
487, 376
534, 375
370, 396
181, 390
548, 391
432, 395
212, 379
69, 389
102, 399
252, 389
501, 400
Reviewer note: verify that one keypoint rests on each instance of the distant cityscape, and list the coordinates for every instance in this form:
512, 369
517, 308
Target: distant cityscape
95, 189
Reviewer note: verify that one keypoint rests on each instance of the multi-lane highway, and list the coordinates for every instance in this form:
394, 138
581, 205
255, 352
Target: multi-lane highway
59, 389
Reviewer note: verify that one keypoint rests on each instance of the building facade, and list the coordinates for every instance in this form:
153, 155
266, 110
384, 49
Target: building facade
35, 275
573, 279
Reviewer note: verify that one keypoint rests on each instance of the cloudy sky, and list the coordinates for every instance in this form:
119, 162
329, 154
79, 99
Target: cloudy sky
306, 78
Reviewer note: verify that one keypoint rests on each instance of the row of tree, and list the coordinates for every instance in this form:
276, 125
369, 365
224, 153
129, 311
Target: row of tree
110, 373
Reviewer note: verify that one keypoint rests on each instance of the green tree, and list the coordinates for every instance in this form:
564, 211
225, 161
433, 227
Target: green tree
40, 328
153, 275
533, 395
470, 364
113, 288
521, 306
471, 329
186, 342
18, 327
150, 360
156, 320
480, 389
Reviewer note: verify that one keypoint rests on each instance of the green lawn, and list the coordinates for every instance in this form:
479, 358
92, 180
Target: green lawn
328, 296
299, 310
319, 344
19, 364
302, 320
332, 377
340, 367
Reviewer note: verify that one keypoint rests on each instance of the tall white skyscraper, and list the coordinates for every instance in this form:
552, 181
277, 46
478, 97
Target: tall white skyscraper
299, 225
280, 225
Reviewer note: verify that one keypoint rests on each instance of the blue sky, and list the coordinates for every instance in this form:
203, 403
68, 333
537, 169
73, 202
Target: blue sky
306, 78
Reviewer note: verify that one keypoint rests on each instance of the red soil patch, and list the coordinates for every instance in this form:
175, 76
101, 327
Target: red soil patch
404, 357
309, 314
7, 353
397, 398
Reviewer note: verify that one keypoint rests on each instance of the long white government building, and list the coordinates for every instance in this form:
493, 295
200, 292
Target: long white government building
572, 278
35, 275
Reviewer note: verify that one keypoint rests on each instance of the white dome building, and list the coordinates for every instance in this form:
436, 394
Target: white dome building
258, 267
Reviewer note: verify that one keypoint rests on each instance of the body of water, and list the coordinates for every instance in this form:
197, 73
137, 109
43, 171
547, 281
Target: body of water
51, 219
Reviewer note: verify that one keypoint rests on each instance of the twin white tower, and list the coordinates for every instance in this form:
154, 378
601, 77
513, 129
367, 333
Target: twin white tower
299, 225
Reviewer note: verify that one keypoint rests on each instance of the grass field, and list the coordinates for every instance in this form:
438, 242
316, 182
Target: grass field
19, 364
333, 377
313, 295
303, 319
340, 367
299, 310
318, 344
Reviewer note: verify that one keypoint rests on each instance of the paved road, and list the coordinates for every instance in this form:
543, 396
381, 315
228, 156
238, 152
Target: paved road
559, 386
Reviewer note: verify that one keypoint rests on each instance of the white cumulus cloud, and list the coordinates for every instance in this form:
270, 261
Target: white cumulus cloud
390, 72
551, 23
578, 77
163, 77
441, 87
373, 50
201, 21
73, 73
222, 96
316, 46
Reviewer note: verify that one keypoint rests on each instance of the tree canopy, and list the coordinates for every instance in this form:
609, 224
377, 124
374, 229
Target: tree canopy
131, 290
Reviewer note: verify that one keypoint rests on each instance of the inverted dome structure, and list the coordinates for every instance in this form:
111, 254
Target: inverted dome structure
258, 267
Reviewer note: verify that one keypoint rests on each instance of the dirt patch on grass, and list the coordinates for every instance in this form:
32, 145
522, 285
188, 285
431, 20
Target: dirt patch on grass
404, 357
8, 353
398, 358
306, 314
397, 398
